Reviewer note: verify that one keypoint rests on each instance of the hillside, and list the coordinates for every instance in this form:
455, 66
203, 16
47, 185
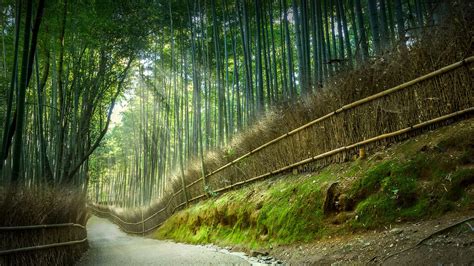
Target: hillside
428, 177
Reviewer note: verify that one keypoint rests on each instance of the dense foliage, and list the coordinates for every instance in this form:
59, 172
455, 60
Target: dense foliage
189, 74
215, 67
64, 64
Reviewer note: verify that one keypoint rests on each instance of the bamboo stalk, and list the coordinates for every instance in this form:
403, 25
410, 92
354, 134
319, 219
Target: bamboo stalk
40, 226
323, 155
10, 251
96, 210
164, 208
118, 218
338, 150
120, 225
179, 206
143, 221
197, 197
364, 142
329, 153
153, 227
350, 106
177, 192
194, 182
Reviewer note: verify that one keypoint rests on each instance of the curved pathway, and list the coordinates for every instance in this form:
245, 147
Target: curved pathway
110, 246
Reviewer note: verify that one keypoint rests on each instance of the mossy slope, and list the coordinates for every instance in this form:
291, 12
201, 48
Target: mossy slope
423, 177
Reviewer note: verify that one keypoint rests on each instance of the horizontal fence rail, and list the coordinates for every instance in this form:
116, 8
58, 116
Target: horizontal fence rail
146, 225
355, 145
45, 246
23, 227
342, 109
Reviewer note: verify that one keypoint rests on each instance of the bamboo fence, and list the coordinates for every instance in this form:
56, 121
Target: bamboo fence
13, 239
389, 116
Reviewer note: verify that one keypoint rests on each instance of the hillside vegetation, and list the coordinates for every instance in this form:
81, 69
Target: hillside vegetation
175, 129
423, 177
448, 42
45, 206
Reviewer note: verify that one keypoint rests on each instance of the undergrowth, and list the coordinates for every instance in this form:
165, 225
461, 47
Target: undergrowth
424, 177
421, 178
435, 48
42, 205
275, 212
405, 108
427, 177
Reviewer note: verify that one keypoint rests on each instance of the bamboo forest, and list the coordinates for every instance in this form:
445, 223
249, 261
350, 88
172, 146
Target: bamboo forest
269, 127
213, 68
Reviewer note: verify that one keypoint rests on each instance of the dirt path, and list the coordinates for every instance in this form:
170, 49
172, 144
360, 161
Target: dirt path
110, 246
393, 246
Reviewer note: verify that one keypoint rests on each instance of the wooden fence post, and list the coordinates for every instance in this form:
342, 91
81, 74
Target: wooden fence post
184, 190
143, 224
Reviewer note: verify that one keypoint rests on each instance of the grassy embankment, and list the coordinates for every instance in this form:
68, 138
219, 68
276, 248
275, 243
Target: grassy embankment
423, 177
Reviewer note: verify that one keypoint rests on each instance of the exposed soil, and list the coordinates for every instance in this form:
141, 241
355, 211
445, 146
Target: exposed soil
395, 245
406, 192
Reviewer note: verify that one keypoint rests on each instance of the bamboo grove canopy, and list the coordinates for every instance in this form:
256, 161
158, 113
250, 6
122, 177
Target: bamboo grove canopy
190, 74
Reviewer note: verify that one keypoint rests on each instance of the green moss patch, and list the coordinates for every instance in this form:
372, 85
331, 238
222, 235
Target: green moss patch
271, 213
423, 177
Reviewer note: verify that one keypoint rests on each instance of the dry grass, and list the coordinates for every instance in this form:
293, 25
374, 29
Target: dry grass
423, 177
35, 206
437, 47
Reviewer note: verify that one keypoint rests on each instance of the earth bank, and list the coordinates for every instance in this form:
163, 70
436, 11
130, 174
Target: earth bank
348, 212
